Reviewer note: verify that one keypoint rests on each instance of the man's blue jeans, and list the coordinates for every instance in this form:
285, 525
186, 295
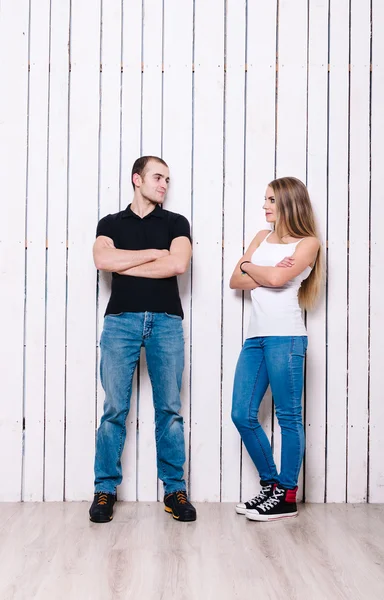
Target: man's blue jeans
278, 361
123, 336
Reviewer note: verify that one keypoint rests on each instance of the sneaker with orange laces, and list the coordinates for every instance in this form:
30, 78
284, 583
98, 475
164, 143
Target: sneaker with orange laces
179, 506
101, 510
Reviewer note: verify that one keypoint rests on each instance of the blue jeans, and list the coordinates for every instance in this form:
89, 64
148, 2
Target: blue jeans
278, 361
123, 336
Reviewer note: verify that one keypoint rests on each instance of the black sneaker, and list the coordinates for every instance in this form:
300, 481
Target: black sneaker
281, 505
178, 505
265, 492
101, 510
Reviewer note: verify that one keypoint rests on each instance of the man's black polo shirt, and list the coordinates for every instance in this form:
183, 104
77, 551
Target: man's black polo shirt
130, 232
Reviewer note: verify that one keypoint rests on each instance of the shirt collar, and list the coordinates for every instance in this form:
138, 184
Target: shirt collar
157, 212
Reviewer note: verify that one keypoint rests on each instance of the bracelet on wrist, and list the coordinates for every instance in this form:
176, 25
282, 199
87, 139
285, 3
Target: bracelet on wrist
243, 263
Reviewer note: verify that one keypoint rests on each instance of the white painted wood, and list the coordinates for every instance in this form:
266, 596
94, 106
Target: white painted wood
152, 77
315, 406
358, 253
13, 160
82, 219
36, 252
207, 262
376, 414
161, 91
152, 145
233, 238
259, 167
130, 150
130, 95
109, 158
56, 256
337, 253
177, 152
292, 89
291, 116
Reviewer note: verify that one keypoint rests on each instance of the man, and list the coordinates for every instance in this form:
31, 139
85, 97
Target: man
145, 247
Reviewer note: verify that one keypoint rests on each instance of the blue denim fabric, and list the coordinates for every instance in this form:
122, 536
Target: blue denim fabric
123, 336
278, 361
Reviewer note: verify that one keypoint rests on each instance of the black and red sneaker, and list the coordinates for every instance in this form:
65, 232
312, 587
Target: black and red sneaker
281, 505
179, 506
101, 510
265, 492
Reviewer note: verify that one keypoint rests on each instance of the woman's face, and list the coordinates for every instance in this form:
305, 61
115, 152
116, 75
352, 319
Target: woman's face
270, 206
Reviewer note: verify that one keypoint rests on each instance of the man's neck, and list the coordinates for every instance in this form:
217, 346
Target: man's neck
142, 207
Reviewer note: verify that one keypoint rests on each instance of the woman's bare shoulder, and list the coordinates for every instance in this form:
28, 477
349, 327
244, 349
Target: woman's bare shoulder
262, 234
312, 241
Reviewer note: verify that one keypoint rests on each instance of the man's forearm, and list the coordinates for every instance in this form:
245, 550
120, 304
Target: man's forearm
115, 260
160, 268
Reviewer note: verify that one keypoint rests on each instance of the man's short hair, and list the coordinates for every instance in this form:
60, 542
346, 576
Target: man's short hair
140, 164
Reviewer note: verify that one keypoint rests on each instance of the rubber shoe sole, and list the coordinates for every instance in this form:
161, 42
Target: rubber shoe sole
240, 509
253, 516
170, 511
104, 520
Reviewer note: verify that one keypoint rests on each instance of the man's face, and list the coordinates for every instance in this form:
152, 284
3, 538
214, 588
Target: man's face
153, 184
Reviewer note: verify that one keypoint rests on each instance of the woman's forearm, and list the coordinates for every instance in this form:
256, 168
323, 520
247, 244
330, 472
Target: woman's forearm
266, 276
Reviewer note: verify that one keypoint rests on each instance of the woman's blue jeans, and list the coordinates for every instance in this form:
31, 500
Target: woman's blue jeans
278, 361
122, 338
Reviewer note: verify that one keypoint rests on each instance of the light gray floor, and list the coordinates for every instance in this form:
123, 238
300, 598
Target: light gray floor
51, 551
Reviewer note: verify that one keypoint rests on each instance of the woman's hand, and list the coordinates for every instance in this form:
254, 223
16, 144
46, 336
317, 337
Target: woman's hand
288, 261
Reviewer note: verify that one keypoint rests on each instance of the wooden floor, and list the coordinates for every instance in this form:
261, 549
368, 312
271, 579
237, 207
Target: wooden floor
51, 551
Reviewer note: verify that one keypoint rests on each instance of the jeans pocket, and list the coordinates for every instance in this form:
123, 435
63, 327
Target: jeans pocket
173, 316
114, 314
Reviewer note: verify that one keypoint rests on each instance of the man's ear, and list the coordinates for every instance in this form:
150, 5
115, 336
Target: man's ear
136, 179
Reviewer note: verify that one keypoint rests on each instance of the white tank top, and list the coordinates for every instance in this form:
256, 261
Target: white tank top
276, 311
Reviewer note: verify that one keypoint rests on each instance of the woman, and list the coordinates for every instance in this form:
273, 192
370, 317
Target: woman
283, 271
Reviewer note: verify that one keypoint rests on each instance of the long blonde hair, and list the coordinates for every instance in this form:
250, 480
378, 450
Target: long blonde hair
294, 216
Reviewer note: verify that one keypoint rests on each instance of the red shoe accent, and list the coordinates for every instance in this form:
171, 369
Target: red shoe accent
291, 495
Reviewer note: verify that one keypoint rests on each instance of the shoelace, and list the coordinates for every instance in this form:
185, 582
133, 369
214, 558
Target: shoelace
272, 501
262, 495
181, 497
102, 499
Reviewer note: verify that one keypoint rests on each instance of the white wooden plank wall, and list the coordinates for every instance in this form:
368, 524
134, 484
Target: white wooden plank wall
230, 94
260, 163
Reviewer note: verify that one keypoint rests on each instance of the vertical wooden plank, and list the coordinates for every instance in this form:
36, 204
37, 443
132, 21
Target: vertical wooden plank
13, 155
177, 152
82, 218
36, 252
57, 252
315, 392
109, 157
376, 441
130, 150
358, 252
291, 116
151, 144
337, 252
207, 233
292, 89
130, 95
233, 236
259, 166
